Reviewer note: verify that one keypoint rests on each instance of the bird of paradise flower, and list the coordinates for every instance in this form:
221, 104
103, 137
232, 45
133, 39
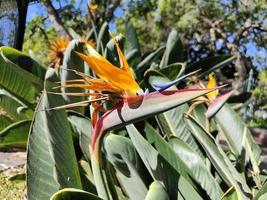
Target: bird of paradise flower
119, 83
133, 104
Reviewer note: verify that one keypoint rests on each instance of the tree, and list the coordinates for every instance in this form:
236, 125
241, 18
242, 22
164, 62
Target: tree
66, 18
206, 27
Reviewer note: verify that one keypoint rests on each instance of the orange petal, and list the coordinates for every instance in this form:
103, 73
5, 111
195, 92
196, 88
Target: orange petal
106, 71
123, 62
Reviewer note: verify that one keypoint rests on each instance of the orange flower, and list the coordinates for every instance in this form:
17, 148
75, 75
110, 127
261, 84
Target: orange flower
92, 7
91, 43
119, 81
57, 50
111, 83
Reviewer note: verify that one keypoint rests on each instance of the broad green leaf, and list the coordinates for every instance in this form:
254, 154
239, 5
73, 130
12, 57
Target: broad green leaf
72, 61
263, 197
87, 177
11, 107
4, 121
262, 193
183, 158
173, 71
149, 59
24, 61
238, 135
156, 191
218, 158
230, 194
131, 55
73, 194
209, 64
36, 59
174, 50
131, 38
51, 163
199, 114
172, 123
102, 38
132, 46
15, 135
18, 81
177, 186
82, 126
123, 156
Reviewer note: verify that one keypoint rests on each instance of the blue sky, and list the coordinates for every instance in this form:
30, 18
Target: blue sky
36, 9
259, 54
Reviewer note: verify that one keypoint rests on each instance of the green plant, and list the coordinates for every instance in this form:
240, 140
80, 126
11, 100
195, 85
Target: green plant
21, 81
259, 98
163, 144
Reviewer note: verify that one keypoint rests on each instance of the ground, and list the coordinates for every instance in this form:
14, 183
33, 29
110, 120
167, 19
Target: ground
12, 163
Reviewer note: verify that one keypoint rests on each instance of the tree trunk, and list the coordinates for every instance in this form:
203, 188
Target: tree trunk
55, 19
240, 64
22, 9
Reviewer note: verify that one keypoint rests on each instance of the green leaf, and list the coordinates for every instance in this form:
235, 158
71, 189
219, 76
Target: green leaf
172, 123
209, 64
131, 55
36, 59
131, 38
238, 136
185, 161
72, 61
4, 122
262, 193
13, 108
73, 194
16, 80
17, 177
15, 135
102, 38
218, 158
173, 71
149, 59
157, 191
82, 126
24, 61
123, 156
51, 162
174, 50
231, 194
132, 47
87, 177
177, 186
199, 114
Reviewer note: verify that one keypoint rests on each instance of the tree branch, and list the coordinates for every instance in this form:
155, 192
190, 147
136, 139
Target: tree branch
110, 10
55, 19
